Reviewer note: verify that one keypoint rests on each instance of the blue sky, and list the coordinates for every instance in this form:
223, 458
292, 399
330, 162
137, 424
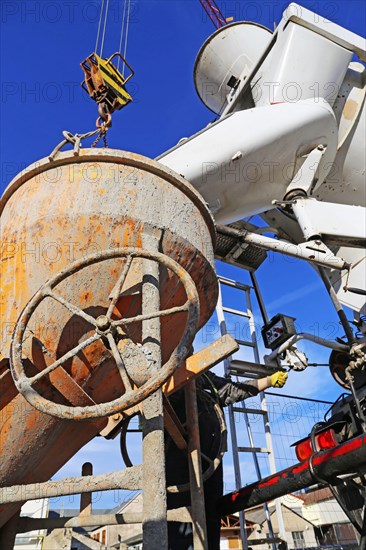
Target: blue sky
42, 44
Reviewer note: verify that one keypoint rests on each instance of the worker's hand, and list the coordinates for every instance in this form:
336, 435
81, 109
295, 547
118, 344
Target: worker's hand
278, 379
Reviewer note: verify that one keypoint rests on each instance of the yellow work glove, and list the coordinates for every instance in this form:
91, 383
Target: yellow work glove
278, 379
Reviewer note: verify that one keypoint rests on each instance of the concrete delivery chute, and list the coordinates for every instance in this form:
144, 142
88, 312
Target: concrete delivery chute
290, 134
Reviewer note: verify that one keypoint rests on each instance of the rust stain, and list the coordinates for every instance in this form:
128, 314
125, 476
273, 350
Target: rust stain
87, 297
78, 224
350, 109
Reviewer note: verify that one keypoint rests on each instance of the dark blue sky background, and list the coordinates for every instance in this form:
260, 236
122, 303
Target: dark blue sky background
42, 44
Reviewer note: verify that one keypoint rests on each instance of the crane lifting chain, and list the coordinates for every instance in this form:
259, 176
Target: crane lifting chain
106, 85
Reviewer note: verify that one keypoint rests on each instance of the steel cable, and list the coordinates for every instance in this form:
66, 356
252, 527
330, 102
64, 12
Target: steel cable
122, 28
104, 28
126, 37
99, 26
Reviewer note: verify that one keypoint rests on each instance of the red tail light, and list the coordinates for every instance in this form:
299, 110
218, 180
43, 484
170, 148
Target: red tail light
304, 449
323, 440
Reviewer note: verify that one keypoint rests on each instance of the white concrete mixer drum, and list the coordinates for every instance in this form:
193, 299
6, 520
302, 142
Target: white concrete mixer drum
224, 57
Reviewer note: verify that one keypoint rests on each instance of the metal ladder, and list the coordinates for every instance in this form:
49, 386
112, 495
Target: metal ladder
248, 369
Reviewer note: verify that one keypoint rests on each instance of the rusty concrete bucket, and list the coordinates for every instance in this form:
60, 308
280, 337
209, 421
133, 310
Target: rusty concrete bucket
77, 234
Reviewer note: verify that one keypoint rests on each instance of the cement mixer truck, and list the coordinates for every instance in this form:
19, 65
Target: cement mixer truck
289, 145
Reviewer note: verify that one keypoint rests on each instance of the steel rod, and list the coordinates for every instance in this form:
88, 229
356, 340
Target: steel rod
259, 297
199, 526
154, 525
129, 479
74, 309
337, 306
86, 498
117, 290
152, 315
69, 355
311, 338
298, 398
26, 524
283, 247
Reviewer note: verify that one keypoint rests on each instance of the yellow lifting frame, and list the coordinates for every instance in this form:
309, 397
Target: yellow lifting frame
104, 82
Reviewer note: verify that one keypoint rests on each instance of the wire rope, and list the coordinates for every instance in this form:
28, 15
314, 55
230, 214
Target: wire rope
99, 26
121, 35
126, 37
104, 28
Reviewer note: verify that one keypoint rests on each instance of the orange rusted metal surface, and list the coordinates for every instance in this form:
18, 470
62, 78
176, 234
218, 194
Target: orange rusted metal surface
56, 213
135, 369
198, 363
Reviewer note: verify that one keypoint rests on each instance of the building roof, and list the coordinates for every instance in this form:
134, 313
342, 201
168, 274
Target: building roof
232, 521
319, 495
126, 503
256, 515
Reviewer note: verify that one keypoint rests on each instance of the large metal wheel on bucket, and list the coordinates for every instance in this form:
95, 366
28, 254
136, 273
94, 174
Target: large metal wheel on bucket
138, 379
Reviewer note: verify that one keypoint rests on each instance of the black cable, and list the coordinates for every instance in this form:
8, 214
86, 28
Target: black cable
359, 291
259, 297
339, 309
356, 401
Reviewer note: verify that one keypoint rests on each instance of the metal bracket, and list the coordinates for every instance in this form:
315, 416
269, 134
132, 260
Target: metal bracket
314, 251
320, 219
306, 177
268, 359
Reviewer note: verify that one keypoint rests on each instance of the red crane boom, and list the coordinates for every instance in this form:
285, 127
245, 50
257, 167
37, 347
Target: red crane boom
214, 13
